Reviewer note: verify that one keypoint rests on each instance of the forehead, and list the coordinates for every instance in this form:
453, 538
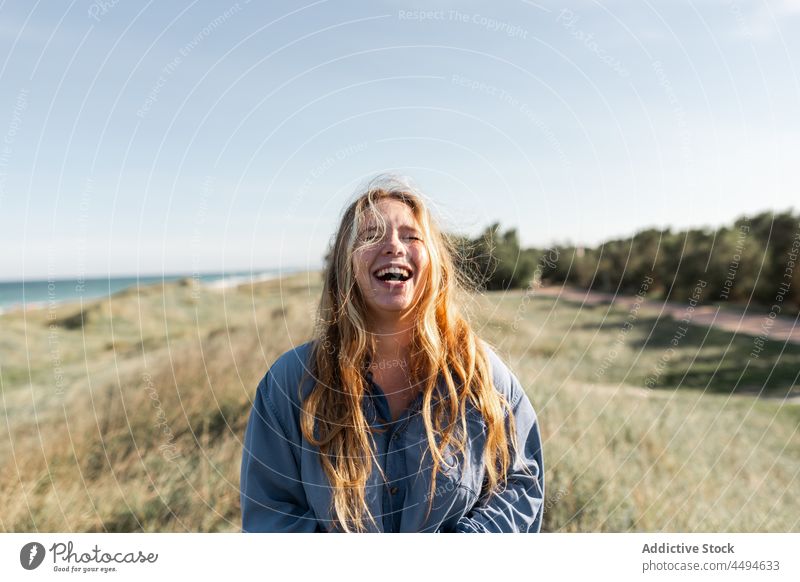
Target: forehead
394, 212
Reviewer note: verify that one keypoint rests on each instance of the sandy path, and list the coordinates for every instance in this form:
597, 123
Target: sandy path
732, 318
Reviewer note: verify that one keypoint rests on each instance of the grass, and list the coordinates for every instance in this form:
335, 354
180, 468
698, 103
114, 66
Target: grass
127, 414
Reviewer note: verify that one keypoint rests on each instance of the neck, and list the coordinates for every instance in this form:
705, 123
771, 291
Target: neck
392, 340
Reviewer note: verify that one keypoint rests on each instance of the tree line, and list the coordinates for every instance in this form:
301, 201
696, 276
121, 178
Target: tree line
754, 260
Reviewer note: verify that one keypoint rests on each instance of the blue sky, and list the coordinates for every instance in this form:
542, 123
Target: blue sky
207, 136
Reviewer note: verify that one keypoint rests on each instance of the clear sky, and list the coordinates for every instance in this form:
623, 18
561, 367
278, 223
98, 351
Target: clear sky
206, 136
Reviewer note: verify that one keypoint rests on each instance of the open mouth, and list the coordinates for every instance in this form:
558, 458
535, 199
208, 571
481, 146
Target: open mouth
393, 274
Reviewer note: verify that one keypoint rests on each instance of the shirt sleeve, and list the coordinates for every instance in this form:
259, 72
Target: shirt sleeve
517, 506
272, 494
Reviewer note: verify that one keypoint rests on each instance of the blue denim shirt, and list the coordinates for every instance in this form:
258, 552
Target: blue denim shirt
284, 487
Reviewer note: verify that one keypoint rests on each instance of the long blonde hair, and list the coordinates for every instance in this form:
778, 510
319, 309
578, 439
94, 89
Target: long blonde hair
443, 345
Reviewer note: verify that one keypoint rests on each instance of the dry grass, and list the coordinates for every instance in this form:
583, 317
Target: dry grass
130, 416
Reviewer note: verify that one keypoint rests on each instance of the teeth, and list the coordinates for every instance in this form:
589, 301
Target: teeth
398, 270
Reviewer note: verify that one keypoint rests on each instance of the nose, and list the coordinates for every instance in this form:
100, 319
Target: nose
393, 245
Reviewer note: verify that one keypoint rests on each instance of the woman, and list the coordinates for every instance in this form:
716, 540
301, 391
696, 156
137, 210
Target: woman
396, 417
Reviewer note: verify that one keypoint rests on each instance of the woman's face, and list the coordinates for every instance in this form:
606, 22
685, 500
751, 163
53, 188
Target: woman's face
391, 270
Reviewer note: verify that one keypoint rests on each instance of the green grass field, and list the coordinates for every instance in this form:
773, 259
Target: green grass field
129, 414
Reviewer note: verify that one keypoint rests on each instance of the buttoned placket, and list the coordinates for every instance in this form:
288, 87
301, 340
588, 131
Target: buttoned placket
395, 468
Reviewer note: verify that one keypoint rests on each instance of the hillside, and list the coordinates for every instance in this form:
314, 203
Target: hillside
127, 414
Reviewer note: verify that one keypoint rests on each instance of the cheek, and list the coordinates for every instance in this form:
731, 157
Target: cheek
361, 263
422, 260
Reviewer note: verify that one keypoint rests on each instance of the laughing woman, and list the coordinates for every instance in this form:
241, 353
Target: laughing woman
396, 416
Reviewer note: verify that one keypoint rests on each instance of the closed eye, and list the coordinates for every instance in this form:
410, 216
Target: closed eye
370, 235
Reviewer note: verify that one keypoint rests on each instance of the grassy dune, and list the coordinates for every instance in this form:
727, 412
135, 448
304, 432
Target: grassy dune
128, 414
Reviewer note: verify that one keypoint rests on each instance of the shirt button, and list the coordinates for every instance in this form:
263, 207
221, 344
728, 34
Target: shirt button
393, 490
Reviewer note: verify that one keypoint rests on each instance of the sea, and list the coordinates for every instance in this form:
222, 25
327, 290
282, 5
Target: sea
41, 292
